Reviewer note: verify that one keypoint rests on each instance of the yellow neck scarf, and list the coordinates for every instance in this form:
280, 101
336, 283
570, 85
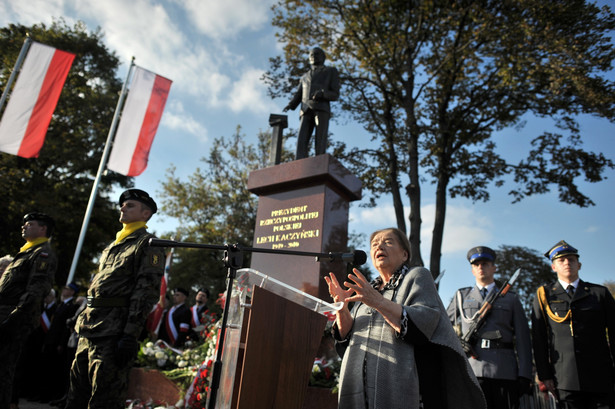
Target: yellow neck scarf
127, 230
33, 243
542, 299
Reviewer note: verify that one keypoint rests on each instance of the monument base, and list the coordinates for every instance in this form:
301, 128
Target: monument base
303, 206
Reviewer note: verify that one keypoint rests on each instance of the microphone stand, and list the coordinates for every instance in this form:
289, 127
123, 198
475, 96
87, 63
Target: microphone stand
233, 260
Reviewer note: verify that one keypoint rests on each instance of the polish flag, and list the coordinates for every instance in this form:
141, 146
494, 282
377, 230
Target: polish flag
140, 118
155, 316
33, 100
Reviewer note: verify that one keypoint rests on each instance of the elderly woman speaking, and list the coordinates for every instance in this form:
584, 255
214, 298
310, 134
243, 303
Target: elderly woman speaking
397, 344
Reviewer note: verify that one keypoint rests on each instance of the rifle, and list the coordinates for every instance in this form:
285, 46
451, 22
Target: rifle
469, 337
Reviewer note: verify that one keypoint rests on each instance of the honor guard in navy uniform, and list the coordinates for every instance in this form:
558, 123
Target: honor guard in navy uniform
23, 286
570, 320
502, 352
318, 86
120, 297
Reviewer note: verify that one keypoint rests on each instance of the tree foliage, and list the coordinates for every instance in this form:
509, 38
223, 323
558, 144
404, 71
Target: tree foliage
610, 284
60, 180
215, 208
432, 82
535, 272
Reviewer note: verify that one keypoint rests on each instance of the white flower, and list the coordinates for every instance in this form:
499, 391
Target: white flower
149, 344
182, 363
161, 355
161, 362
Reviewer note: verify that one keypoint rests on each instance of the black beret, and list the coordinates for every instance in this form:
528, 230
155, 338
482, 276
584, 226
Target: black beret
140, 196
39, 217
561, 248
481, 253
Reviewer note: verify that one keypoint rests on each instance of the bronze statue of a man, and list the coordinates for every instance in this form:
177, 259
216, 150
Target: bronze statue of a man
317, 88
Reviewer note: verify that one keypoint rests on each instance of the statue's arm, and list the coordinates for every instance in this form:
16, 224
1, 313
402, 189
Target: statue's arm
295, 100
332, 93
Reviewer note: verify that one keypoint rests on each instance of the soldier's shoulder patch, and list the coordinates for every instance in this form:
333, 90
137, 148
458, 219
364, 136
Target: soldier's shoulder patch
43, 254
155, 259
42, 265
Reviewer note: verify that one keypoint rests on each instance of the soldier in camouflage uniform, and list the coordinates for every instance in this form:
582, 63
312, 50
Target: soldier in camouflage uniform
119, 299
23, 286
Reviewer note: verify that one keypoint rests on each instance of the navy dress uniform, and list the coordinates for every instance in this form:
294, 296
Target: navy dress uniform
502, 352
569, 333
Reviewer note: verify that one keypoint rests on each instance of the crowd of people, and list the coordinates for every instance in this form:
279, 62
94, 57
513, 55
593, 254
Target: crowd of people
400, 347
84, 346
179, 322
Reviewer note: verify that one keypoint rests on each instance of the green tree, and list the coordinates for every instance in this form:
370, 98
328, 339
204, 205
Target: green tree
433, 81
535, 271
60, 180
215, 208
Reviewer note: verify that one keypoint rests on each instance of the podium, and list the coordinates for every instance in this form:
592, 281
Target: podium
272, 335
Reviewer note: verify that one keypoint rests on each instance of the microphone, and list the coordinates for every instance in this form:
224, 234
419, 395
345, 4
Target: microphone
357, 257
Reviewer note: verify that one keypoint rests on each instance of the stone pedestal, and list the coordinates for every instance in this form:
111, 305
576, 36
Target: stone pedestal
303, 206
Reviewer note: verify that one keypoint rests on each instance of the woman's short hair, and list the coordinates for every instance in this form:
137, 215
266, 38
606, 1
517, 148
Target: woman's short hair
401, 238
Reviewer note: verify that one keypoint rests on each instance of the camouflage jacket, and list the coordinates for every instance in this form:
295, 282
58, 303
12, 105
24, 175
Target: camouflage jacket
125, 288
26, 282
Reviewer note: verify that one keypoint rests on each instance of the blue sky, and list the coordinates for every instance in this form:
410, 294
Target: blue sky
216, 51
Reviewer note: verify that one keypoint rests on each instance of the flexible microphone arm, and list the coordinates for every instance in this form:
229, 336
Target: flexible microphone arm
357, 257
233, 259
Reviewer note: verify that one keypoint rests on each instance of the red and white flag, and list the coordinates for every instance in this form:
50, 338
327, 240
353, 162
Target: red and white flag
139, 123
155, 316
34, 98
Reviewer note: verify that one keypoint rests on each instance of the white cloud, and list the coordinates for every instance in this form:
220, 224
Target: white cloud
248, 93
30, 12
463, 226
220, 19
592, 229
176, 118
161, 42
375, 217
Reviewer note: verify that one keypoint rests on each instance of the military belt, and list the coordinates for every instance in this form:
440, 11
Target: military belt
495, 344
103, 302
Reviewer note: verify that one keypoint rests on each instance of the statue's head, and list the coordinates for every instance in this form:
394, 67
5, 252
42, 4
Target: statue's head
317, 56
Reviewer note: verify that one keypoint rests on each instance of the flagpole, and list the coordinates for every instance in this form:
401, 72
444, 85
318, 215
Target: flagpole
18, 63
101, 168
